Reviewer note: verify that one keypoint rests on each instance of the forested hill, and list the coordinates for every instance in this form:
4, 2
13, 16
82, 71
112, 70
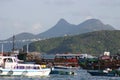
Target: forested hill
61, 29
92, 43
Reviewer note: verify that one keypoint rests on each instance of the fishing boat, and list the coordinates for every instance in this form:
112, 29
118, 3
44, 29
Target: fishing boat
66, 61
102, 62
9, 66
66, 64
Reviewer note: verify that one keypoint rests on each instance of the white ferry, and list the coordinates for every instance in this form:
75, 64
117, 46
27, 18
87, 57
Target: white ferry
9, 66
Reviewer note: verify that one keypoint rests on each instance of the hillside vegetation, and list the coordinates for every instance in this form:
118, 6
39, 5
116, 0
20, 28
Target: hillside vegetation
60, 29
92, 43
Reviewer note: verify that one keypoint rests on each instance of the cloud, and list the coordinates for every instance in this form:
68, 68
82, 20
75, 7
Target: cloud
36, 28
88, 17
60, 2
108, 3
1, 23
17, 25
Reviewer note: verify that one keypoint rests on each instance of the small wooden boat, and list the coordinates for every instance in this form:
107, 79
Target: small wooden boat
9, 66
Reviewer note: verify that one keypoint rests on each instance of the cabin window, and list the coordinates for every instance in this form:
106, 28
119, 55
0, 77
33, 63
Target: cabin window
21, 67
15, 60
36, 67
9, 60
28, 67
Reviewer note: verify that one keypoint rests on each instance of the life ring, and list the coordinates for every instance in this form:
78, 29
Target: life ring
10, 72
1, 71
24, 73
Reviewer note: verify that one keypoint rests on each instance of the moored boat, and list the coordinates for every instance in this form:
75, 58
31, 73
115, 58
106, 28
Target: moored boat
66, 61
102, 62
63, 72
66, 64
108, 72
9, 66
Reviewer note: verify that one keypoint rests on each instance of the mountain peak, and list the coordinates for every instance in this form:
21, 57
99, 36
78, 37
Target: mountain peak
97, 21
95, 25
93, 19
62, 21
22, 36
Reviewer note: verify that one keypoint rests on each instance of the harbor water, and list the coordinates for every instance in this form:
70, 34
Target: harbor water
80, 75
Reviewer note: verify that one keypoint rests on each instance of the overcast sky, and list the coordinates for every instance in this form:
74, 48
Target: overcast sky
36, 16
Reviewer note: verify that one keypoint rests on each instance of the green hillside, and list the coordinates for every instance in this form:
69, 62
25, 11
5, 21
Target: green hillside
92, 43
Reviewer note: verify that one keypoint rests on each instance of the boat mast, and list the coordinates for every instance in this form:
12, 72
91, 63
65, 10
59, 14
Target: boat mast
27, 48
13, 43
2, 49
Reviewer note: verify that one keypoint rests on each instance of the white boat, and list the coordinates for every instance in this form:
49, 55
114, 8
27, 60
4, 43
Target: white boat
9, 66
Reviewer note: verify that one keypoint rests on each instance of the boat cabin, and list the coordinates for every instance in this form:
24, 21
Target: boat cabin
8, 62
68, 60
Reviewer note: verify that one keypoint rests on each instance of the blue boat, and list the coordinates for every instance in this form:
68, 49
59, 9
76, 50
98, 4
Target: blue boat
63, 71
112, 73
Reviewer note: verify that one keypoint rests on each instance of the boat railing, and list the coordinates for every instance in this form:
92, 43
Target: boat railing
66, 60
66, 64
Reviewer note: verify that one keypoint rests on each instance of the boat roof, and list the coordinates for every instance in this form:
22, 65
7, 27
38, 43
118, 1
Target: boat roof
69, 54
7, 57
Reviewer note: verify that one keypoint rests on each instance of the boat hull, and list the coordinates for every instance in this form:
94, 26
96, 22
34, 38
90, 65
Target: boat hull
24, 72
101, 73
62, 70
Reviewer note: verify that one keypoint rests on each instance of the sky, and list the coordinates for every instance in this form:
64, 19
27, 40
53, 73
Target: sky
37, 16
